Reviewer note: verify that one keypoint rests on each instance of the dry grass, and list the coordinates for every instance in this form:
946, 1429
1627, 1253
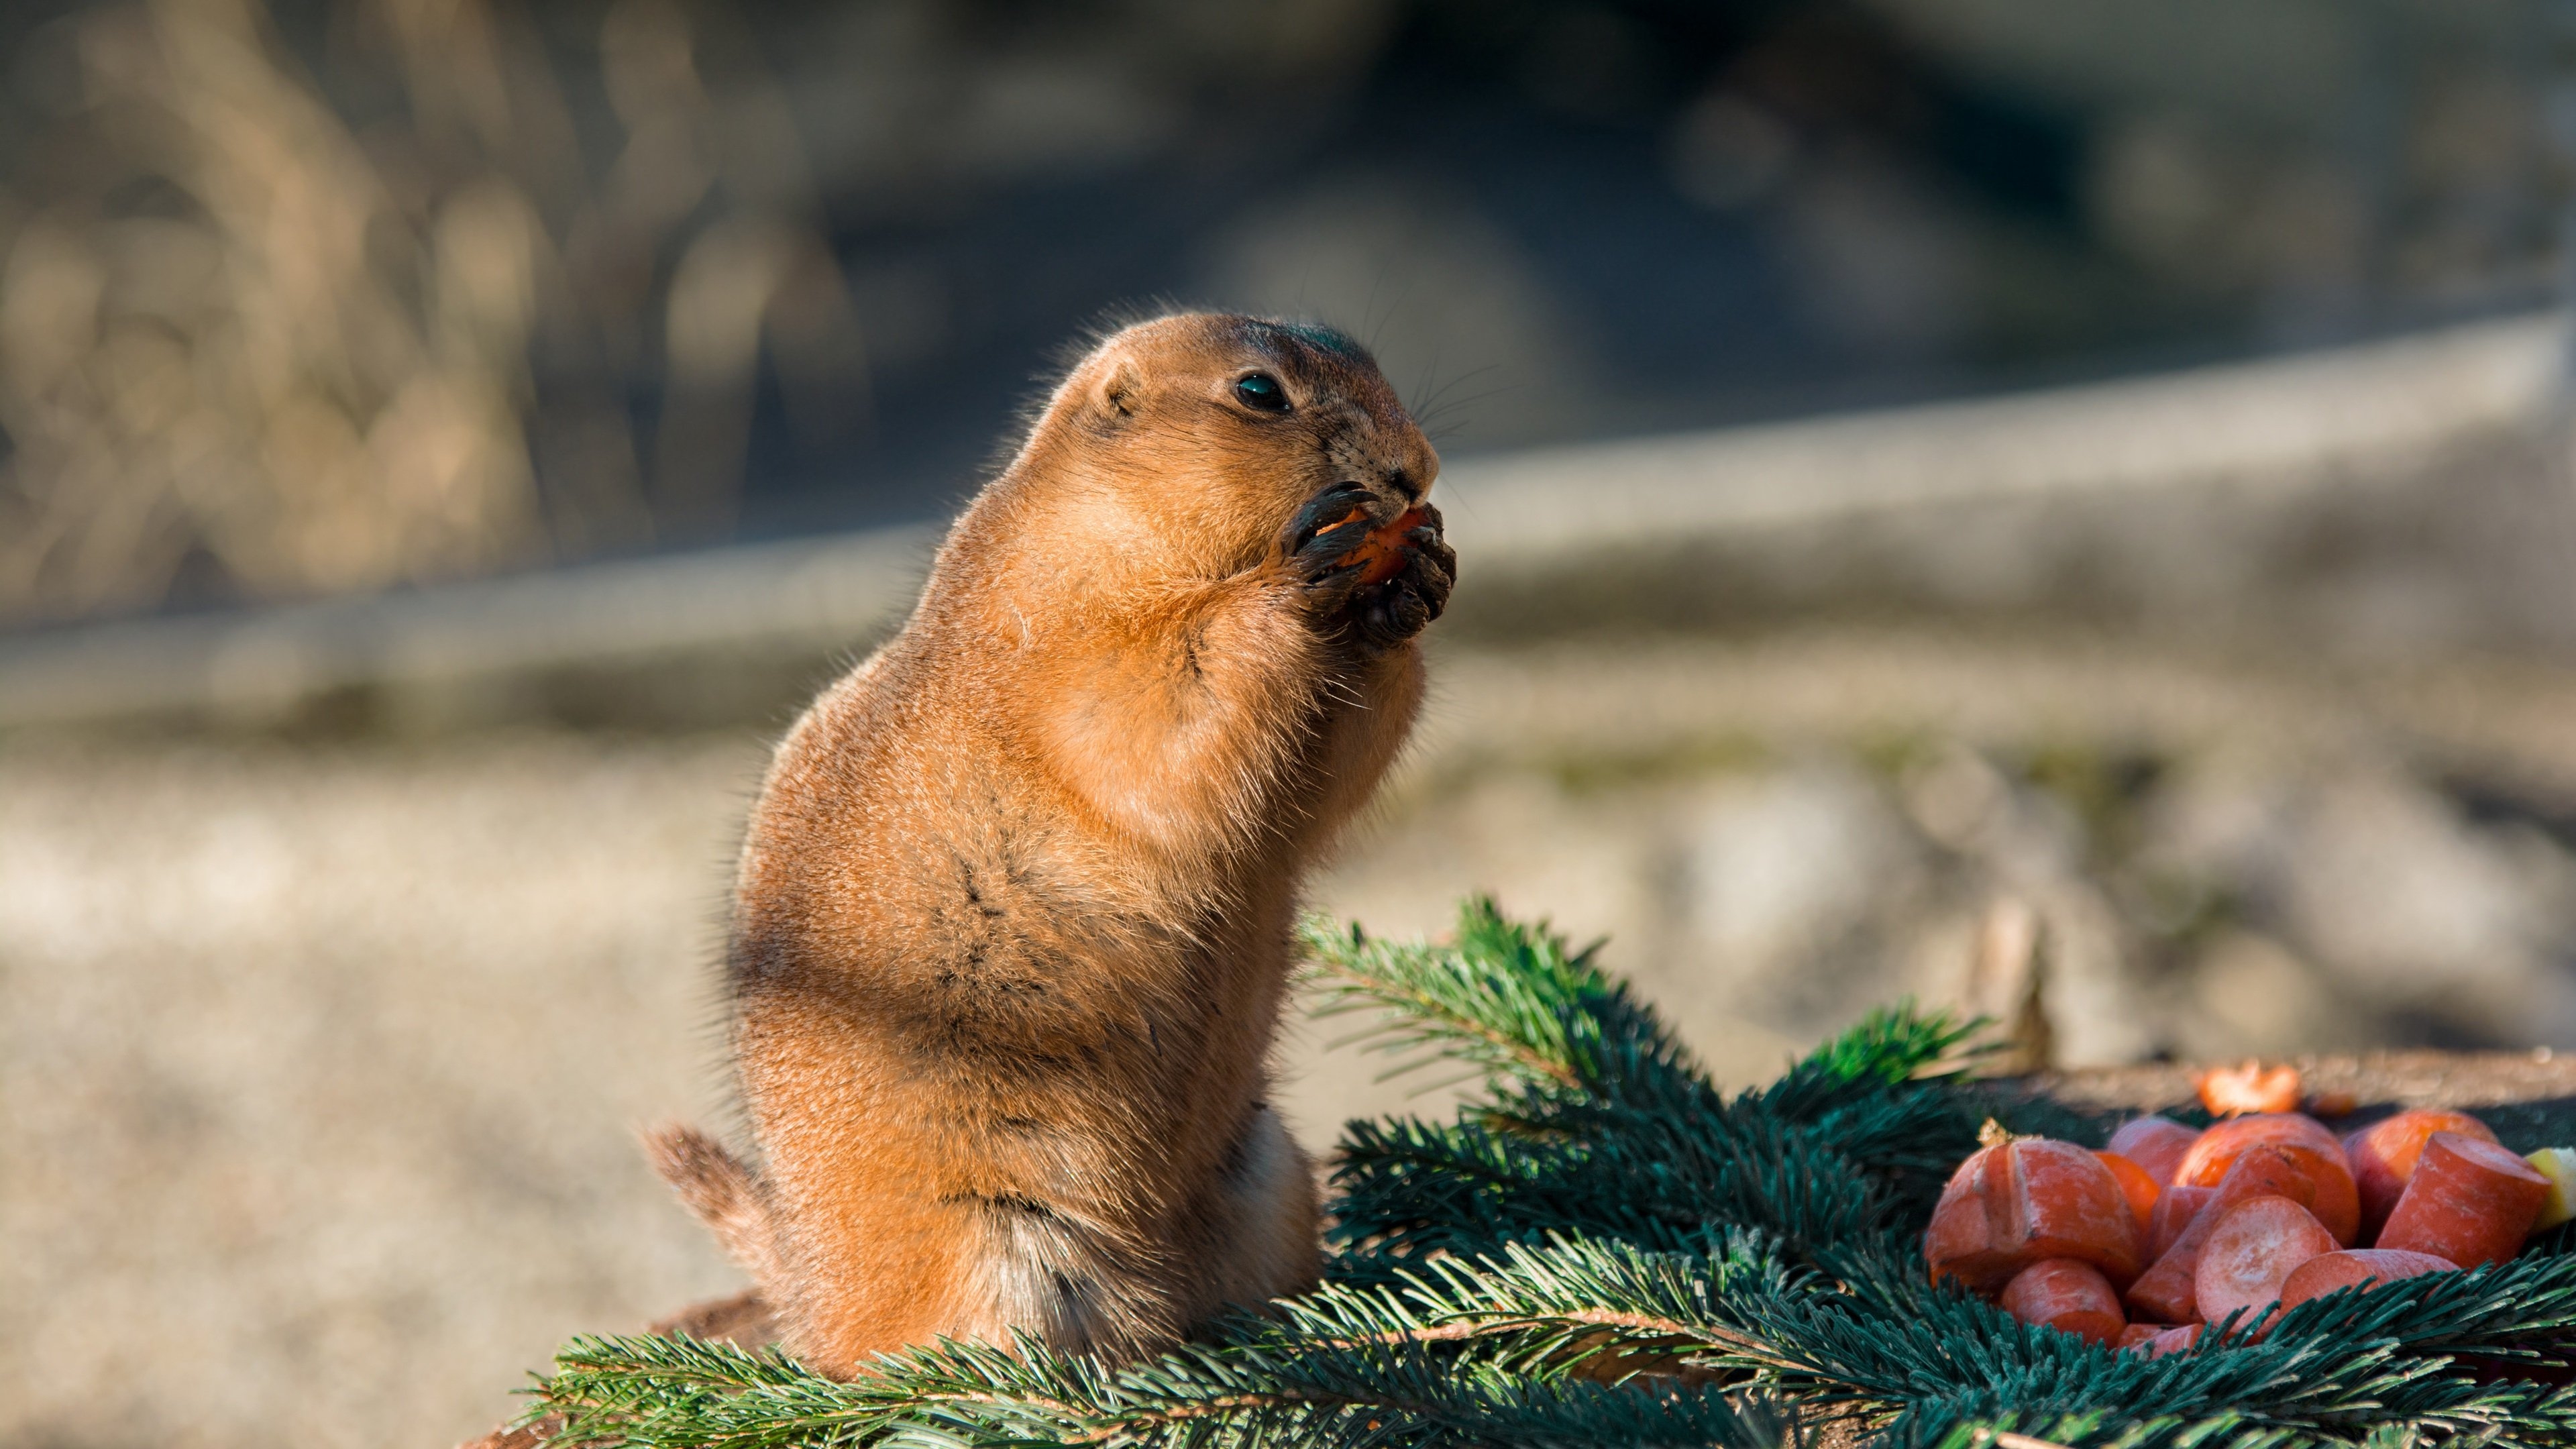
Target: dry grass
271, 332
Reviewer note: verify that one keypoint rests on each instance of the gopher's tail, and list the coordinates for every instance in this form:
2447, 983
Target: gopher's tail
715, 1185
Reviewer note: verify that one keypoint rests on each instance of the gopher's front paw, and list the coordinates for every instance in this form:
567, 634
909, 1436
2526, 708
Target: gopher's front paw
1380, 583
1324, 543
1414, 583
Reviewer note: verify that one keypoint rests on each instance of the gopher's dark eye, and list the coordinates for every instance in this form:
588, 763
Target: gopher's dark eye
1261, 392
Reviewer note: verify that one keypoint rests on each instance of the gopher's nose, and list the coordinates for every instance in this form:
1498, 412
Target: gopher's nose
1404, 481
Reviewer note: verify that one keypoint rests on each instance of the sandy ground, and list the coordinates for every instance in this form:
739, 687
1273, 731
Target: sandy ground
319, 1065
320, 1071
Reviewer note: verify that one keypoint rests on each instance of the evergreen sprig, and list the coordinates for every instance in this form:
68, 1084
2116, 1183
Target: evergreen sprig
1597, 1121
1349, 1372
1602, 1248
1499, 995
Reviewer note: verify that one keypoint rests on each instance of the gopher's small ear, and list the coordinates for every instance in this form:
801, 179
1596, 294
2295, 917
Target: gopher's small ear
1119, 392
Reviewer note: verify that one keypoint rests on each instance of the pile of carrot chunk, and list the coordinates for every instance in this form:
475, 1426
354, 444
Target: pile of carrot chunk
2169, 1227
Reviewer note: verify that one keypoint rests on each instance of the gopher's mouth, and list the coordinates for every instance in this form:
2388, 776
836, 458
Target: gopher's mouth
1345, 505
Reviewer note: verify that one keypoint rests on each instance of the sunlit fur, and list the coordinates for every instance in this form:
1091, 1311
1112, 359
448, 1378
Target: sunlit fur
1012, 927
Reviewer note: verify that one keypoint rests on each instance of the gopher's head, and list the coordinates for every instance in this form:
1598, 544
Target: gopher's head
1214, 430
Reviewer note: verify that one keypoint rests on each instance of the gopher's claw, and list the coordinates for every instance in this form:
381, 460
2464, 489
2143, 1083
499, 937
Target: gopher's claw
1389, 613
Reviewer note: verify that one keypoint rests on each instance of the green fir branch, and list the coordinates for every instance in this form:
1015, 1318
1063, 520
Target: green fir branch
1504, 996
1603, 1248
1264, 1384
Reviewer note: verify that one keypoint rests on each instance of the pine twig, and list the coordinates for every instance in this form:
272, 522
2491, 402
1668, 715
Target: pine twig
1605, 1249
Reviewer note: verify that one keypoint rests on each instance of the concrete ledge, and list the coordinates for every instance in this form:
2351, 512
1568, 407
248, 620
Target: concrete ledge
808, 598
479, 651
2282, 423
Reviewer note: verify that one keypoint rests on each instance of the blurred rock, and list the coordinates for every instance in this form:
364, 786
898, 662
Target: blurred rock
2383, 879
2410, 909
1794, 882
2249, 996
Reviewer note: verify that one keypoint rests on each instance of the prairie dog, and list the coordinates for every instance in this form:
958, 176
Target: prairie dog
1012, 926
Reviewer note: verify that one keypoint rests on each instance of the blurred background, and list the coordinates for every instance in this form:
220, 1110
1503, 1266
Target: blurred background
2057, 507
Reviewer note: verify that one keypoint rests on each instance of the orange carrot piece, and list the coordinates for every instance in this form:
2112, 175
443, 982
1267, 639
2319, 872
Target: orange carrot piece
2337, 1203
2136, 1334
2208, 1160
2251, 1253
1358, 514
2136, 1185
2383, 1157
2154, 1143
2229, 1091
2016, 1203
2167, 1292
2327, 1272
2171, 1340
2337, 1199
2176, 1206
1383, 549
2066, 1294
2470, 1201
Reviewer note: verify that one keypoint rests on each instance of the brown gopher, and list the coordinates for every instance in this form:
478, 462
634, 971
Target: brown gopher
1012, 927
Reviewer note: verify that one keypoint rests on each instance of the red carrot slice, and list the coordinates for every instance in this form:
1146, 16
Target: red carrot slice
2337, 1203
2469, 1201
2136, 1334
2337, 1199
2014, 1204
2175, 1208
1383, 548
2257, 1244
2228, 1091
2135, 1184
2383, 1157
2327, 1272
2168, 1292
2208, 1160
2171, 1340
2154, 1143
2066, 1294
